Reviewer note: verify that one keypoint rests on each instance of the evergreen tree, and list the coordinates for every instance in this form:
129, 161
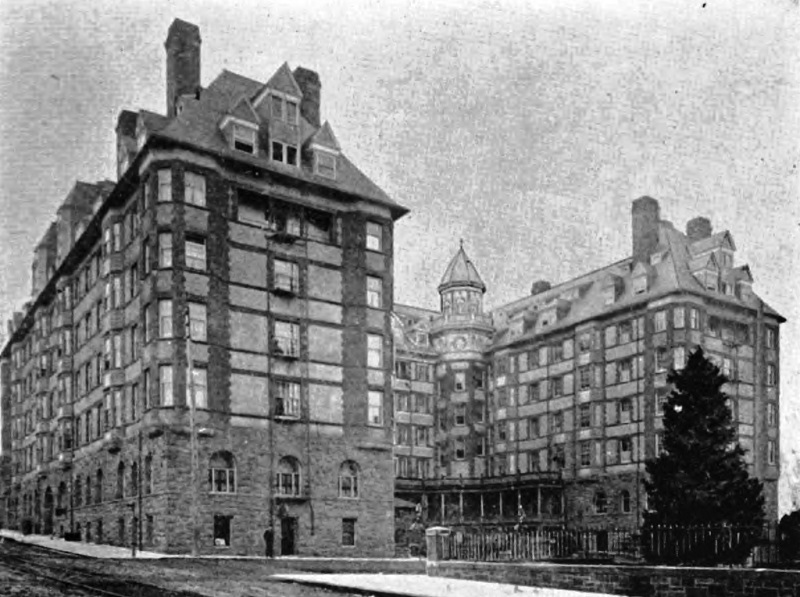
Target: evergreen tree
701, 477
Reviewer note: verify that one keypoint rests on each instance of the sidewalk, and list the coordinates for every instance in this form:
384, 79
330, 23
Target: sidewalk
419, 585
91, 550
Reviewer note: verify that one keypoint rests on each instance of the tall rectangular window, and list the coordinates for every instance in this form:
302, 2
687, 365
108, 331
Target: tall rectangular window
196, 254
195, 189
678, 318
772, 337
165, 385
325, 164
586, 453
164, 185
287, 398
200, 379
694, 319
771, 456
375, 408
374, 292
772, 374
460, 449
348, 532
197, 321
374, 236
165, 250
557, 422
287, 339
222, 530
461, 414
660, 321
611, 335
679, 358
286, 276
772, 415
374, 351
165, 318
244, 139
585, 415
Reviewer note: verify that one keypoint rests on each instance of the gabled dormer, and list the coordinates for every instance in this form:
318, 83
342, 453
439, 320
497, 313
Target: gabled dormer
325, 150
705, 269
278, 103
612, 288
720, 244
642, 277
741, 281
240, 127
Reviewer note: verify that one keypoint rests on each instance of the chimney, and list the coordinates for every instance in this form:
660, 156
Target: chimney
539, 287
308, 80
183, 62
644, 219
126, 140
698, 228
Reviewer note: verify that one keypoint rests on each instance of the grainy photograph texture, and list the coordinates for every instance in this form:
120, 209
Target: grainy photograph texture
420, 298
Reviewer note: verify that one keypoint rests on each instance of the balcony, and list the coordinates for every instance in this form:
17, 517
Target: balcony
461, 319
65, 411
113, 440
64, 460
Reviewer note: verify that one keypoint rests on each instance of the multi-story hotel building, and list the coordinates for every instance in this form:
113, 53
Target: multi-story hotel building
240, 263
545, 409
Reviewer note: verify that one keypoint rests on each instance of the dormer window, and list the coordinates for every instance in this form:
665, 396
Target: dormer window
284, 153
640, 284
325, 164
284, 109
244, 139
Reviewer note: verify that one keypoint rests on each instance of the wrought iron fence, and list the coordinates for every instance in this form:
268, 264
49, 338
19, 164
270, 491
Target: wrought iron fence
704, 545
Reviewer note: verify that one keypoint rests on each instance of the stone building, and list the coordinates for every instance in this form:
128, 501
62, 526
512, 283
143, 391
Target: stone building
240, 263
545, 409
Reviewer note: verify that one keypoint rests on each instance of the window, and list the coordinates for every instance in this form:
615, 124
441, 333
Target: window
600, 506
375, 408
694, 319
348, 480
222, 473
557, 422
348, 532
98, 488
678, 318
625, 445
460, 381
148, 474
534, 392
420, 435
713, 326
165, 318
287, 479
772, 338
460, 449
222, 530
197, 322
727, 368
625, 501
164, 185
533, 427
461, 414
585, 342
584, 377
286, 276
374, 292
679, 358
585, 415
120, 480
196, 254
244, 139
772, 415
401, 403
625, 410
625, 332
771, 452
660, 321
558, 352
286, 341
556, 386
165, 250
165, 385
287, 399
772, 374
374, 236
662, 358
611, 335
195, 189
374, 351
200, 383
284, 153
586, 454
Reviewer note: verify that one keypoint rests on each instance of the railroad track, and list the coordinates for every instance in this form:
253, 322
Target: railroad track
18, 558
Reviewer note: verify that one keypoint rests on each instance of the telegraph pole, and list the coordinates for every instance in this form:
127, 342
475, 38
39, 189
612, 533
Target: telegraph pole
192, 433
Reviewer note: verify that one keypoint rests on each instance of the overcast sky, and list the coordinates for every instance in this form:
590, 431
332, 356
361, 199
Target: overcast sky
525, 130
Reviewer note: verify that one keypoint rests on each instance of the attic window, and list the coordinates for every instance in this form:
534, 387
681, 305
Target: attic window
244, 139
286, 154
325, 164
283, 109
640, 284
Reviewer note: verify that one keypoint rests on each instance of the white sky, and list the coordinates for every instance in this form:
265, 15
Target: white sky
524, 128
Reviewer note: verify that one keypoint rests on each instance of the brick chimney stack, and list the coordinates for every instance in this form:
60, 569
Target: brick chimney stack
183, 62
698, 228
309, 83
645, 215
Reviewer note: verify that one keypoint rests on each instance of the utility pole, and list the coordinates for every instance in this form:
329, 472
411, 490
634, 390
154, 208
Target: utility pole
192, 433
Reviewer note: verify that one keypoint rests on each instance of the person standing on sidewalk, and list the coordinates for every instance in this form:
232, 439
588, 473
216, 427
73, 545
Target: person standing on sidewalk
268, 541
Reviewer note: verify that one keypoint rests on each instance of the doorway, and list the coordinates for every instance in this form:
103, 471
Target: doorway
288, 536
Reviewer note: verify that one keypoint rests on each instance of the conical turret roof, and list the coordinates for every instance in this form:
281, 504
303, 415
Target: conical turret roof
461, 272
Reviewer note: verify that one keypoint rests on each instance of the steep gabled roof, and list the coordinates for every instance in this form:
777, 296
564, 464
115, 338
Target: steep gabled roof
703, 262
283, 81
715, 241
243, 110
461, 272
324, 137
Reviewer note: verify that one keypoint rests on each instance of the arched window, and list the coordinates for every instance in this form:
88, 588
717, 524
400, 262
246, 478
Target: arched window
78, 491
625, 501
348, 479
121, 480
148, 474
98, 487
600, 506
288, 476
134, 479
222, 473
